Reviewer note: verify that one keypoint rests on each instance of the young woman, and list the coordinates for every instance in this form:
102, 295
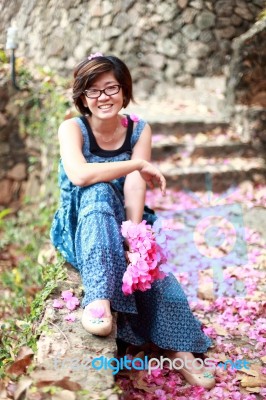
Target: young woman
103, 172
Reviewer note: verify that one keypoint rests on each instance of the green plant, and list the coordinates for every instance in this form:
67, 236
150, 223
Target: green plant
262, 14
25, 283
3, 57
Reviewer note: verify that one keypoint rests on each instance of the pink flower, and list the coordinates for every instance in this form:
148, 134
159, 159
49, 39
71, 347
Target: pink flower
134, 117
72, 303
147, 255
97, 54
66, 295
58, 304
70, 317
160, 394
124, 122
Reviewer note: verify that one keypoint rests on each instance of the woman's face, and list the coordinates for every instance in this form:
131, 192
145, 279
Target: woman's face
105, 106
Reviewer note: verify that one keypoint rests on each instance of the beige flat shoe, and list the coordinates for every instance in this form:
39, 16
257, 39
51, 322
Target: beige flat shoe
94, 323
204, 379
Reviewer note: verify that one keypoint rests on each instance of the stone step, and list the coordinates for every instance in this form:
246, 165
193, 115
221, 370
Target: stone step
193, 176
167, 148
185, 109
180, 127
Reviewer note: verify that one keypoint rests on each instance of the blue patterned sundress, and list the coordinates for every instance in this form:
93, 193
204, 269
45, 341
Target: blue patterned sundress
86, 231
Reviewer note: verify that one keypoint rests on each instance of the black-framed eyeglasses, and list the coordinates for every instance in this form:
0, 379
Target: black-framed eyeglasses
108, 91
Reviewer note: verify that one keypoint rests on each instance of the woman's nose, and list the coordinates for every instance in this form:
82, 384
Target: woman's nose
103, 96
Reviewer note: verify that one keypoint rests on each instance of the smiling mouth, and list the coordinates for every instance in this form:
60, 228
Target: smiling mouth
105, 107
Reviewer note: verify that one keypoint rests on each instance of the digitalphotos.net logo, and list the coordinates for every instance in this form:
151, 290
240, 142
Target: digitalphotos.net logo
211, 236
149, 364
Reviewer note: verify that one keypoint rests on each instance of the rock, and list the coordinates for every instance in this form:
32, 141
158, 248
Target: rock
188, 15
260, 3
18, 172
236, 20
223, 21
185, 80
54, 48
172, 69
3, 120
4, 149
191, 31
169, 11
192, 66
198, 4
95, 10
209, 5
121, 21
3, 96
226, 33
32, 188
111, 32
168, 48
127, 4
95, 22
47, 255
156, 60
182, 3
206, 36
244, 12
5, 192
223, 8
145, 86
205, 20
197, 49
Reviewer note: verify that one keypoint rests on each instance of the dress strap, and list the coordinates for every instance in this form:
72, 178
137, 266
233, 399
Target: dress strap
95, 148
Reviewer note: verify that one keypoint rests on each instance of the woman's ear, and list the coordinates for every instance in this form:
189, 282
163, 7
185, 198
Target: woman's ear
83, 99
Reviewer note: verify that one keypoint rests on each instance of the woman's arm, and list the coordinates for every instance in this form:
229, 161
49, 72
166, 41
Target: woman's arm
135, 185
81, 173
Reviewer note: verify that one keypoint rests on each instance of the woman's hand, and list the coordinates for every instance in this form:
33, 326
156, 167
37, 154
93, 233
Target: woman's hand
152, 175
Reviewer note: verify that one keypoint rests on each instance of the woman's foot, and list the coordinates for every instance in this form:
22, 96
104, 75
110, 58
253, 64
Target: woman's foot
192, 370
97, 318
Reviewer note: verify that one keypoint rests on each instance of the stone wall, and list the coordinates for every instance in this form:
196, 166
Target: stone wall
167, 42
246, 84
13, 160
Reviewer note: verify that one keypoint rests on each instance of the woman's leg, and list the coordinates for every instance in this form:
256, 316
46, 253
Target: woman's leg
99, 249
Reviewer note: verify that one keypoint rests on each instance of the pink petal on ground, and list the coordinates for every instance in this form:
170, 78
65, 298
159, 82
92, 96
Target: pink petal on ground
70, 317
72, 303
66, 295
58, 304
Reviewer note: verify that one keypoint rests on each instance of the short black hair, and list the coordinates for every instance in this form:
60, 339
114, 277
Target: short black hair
88, 70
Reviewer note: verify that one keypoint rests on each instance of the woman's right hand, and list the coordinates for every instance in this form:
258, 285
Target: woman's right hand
152, 175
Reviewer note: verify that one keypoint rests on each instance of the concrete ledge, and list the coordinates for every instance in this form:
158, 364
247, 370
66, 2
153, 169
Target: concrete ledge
65, 349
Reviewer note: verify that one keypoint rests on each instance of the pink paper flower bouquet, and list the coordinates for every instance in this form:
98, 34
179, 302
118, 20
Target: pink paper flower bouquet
148, 256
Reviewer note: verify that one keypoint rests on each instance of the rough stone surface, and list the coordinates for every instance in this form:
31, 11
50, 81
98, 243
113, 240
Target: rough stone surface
246, 86
18, 172
13, 158
5, 192
205, 20
127, 28
67, 349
